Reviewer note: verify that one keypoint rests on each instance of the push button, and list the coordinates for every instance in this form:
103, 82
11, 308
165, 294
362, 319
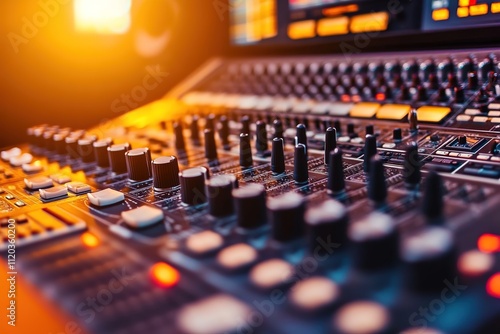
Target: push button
106, 197
142, 216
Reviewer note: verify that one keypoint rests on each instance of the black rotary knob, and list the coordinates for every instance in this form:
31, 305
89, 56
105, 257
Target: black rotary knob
245, 124
300, 167
330, 143
165, 173
397, 135
375, 241
195, 130
224, 132
336, 181
192, 183
261, 145
277, 157
429, 257
377, 187
327, 223
278, 128
101, 152
432, 202
219, 193
116, 154
370, 151
462, 140
138, 164
210, 146
286, 213
86, 150
369, 129
179, 136
72, 147
411, 165
301, 135
250, 205
246, 159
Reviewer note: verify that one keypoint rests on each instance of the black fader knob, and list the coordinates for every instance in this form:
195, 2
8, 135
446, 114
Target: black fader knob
336, 180
210, 146
179, 136
138, 164
195, 130
286, 213
301, 169
330, 143
377, 187
245, 124
116, 154
250, 205
411, 166
165, 173
301, 135
432, 202
192, 183
246, 159
397, 135
219, 193
224, 132
261, 145
278, 128
369, 151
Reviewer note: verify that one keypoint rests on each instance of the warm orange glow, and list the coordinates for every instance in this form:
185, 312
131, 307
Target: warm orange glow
495, 7
89, 240
302, 29
493, 285
164, 275
463, 11
481, 9
335, 11
345, 98
104, 17
441, 14
489, 243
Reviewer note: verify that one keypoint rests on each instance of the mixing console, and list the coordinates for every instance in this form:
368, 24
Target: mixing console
274, 195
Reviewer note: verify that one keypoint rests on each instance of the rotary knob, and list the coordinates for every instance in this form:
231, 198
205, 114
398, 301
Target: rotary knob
250, 205
101, 152
165, 173
138, 164
116, 154
220, 199
287, 216
192, 183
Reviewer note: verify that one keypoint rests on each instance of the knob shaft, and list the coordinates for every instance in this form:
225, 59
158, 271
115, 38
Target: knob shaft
369, 152
165, 173
138, 164
301, 169
277, 157
330, 143
192, 183
195, 130
432, 205
210, 146
179, 136
278, 128
250, 205
411, 165
246, 159
224, 132
261, 138
377, 187
336, 181
287, 216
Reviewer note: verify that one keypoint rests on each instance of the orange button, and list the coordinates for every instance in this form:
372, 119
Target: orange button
463, 11
333, 26
479, 9
370, 22
393, 111
440, 14
495, 7
364, 109
164, 275
302, 29
432, 114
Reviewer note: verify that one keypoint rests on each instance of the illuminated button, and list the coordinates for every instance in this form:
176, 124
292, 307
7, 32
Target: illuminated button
271, 273
9, 197
432, 114
476, 10
475, 263
483, 157
489, 243
389, 145
302, 29
333, 26
106, 197
495, 7
19, 203
164, 275
20, 160
8, 154
493, 285
204, 242
472, 112
314, 293
34, 167
38, 182
495, 106
236, 256
78, 187
89, 240
495, 113
361, 317
495, 120
440, 14
442, 152
463, 118
60, 178
142, 216
364, 109
53, 192
339, 109
369, 22
393, 111
452, 154
465, 155
463, 11
216, 314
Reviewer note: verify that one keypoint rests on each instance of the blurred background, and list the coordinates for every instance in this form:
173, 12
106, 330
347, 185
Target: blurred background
77, 63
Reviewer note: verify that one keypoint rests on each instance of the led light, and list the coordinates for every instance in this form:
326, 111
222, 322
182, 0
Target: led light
489, 243
104, 17
164, 275
89, 240
493, 285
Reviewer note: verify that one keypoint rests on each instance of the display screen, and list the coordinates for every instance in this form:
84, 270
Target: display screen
454, 14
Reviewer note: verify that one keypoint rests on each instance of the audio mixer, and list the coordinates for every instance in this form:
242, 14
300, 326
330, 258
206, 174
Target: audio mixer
276, 194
